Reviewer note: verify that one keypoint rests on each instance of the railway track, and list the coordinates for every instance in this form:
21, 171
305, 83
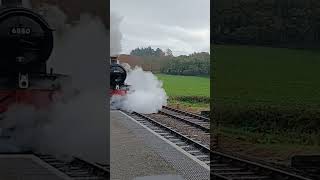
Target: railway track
188, 118
193, 119
226, 167
78, 168
195, 148
185, 113
186, 127
222, 166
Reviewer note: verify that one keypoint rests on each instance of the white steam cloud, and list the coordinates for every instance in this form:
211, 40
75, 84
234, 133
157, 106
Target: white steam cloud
78, 127
146, 94
115, 34
81, 52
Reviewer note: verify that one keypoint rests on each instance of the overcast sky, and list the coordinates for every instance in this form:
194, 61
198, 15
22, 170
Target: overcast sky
181, 25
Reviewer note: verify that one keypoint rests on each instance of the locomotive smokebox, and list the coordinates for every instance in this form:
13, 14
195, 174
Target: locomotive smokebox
114, 60
118, 74
25, 38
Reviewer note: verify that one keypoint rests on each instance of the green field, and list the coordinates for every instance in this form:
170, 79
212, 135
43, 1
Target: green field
187, 90
268, 75
271, 91
185, 85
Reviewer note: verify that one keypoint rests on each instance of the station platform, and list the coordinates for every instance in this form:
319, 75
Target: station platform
138, 154
27, 167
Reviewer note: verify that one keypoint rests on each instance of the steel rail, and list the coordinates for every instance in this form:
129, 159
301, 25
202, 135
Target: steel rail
187, 113
203, 128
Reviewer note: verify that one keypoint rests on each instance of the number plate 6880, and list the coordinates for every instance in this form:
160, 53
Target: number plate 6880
20, 31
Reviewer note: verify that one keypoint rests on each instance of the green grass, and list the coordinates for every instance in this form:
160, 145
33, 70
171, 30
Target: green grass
271, 91
268, 75
273, 138
187, 90
185, 85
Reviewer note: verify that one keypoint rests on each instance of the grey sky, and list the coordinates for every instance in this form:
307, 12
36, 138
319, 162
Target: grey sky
181, 25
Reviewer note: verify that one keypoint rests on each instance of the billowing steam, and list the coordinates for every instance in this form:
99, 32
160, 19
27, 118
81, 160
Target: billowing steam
115, 34
146, 94
81, 52
78, 127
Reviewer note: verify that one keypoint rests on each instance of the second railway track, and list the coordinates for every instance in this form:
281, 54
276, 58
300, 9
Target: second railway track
188, 118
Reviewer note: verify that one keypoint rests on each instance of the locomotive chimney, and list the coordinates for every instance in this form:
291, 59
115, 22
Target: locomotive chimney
11, 3
114, 60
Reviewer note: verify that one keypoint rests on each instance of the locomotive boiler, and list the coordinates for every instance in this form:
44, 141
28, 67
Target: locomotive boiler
26, 43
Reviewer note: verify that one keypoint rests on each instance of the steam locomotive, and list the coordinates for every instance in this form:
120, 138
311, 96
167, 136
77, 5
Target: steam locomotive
118, 75
26, 43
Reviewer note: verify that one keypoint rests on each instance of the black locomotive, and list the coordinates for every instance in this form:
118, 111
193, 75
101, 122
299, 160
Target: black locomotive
118, 75
26, 43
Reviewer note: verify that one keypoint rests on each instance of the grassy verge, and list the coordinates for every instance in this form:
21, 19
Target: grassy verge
187, 92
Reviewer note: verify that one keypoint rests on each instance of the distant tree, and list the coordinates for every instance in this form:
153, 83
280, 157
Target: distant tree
196, 64
147, 52
159, 52
169, 52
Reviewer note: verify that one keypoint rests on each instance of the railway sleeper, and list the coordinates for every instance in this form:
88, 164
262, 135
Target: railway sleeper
204, 158
226, 169
218, 165
253, 177
163, 134
169, 136
236, 173
186, 147
89, 178
195, 153
180, 144
174, 140
190, 148
213, 161
78, 174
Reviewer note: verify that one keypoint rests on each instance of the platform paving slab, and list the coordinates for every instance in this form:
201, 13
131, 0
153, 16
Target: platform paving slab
27, 167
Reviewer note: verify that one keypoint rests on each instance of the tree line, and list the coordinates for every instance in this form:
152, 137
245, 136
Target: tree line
196, 64
148, 51
284, 23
